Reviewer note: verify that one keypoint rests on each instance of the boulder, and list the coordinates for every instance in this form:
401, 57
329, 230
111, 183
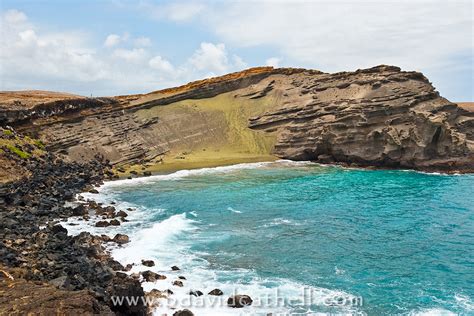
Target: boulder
79, 210
239, 301
150, 276
216, 292
183, 312
178, 283
102, 224
121, 239
148, 263
115, 222
196, 293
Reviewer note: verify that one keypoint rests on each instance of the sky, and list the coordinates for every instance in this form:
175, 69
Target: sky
116, 47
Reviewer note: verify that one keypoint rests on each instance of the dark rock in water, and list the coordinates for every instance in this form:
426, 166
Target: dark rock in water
102, 224
216, 292
147, 173
115, 222
79, 210
122, 214
181, 277
239, 301
196, 293
121, 239
94, 191
183, 312
175, 268
133, 172
58, 229
150, 276
178, 283
148, 263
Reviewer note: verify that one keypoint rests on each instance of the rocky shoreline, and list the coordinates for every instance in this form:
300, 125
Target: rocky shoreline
61, 273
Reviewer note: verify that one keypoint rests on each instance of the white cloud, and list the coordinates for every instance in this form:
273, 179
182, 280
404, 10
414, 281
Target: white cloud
273, 61
342, 35
112, 40
134, 55
210, 57
161, 64
178, 11
15, 17
32, 58
142, 41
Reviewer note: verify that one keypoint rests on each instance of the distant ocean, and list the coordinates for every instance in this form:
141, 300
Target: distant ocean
321, 239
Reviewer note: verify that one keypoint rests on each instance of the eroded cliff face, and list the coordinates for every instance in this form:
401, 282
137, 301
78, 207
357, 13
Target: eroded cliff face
380, 116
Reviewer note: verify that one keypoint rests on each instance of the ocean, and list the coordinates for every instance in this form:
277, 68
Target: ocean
302, 239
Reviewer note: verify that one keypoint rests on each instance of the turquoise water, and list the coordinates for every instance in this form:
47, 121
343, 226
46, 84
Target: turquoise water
400, 242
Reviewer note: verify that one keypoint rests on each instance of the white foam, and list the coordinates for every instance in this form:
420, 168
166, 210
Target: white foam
153, 240
281, 221
465, 302
202, 171
233, 210
432, 312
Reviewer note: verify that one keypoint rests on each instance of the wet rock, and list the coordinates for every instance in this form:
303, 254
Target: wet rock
58, 229
239, 301
79, 210
94, 191
178, 283
183, 312
196, 293
122, 214
175, 268
115, 222
150, 276
181, 277
146, 173
148, 263
102, 224
121, 239
216, 292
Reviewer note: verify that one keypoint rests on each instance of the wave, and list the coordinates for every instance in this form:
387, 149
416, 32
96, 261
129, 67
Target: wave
432, 312
202, 171
153, 240
281, 221
233, 211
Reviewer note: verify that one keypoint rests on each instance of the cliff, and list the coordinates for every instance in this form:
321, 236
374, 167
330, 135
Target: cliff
381, 117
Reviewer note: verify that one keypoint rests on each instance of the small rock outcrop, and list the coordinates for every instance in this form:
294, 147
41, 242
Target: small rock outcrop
239, 301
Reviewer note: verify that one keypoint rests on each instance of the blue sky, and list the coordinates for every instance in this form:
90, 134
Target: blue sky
121, 47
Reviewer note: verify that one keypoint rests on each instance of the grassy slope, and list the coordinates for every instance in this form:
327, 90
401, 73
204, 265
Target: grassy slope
231, 140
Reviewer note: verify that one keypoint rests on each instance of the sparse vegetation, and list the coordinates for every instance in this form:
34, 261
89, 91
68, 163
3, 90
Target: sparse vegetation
7, 132
18, 151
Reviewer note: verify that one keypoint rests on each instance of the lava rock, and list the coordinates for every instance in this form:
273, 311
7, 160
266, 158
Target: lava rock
148, 263
183, 312
102, 224
239, 301
150, 276
178, 283
121, 239
216, 292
